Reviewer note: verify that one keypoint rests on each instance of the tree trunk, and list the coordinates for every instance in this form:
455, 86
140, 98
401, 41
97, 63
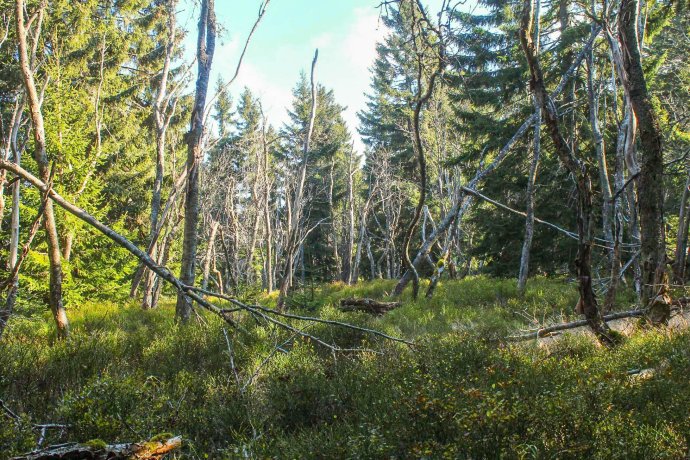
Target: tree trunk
6, 310
206, 44
532, 178
41, 158
209, 254
162, 120
347, 253
578, 169
294, 227
682, 235
604, 182
267, 214
149, 450
529, 221
650, 182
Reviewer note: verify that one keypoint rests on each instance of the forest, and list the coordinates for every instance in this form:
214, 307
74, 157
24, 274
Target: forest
492, 262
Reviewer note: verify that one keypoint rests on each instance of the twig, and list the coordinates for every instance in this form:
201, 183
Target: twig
260, 308
8, 411
262, 12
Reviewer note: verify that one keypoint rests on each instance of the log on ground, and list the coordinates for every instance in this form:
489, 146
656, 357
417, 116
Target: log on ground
99, 450
368, 305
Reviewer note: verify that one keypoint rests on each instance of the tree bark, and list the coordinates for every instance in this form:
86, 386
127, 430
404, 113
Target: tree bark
209, 254
532, 178
580, 173
650, 182
682, 236
206, 44
40, 156
162, 120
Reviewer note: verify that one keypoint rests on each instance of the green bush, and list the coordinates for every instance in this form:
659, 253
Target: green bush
127, 374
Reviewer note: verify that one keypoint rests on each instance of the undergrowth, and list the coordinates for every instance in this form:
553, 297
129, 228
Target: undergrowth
126, 374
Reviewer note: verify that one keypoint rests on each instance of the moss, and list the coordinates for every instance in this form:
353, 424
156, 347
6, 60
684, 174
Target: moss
97, 444
160, 437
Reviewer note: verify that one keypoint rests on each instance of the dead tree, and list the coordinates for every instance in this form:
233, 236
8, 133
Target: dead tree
463, 202
348, 271
421, 43
578, 169
16, 149
206, 44
534, 166
268, 266
44, 169
295, 215
163, 110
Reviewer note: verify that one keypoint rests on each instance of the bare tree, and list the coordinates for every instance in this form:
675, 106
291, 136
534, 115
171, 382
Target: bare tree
206, 44
534, 166
295, 231
347, 271
422, 47
163, 110
578, 169
41, 158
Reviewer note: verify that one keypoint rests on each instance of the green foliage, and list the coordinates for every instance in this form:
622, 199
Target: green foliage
127, 374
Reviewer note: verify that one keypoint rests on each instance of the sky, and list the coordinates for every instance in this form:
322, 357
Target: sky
344, 31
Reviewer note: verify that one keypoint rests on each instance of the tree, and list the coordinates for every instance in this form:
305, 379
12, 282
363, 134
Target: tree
206, 44
44, 167
577, 167
650, 182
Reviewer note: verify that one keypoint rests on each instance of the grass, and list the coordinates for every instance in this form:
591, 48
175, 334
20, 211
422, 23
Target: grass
126, 374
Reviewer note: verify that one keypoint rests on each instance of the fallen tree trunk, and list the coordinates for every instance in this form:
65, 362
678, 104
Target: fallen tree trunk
162, 272
545, 331
190, 291
368, 305
100, 451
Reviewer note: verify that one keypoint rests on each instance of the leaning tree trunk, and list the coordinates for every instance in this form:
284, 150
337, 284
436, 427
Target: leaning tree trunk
41, 158
578, 168
206, 44
650, 186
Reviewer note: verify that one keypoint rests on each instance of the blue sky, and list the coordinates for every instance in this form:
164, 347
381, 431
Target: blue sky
345, 31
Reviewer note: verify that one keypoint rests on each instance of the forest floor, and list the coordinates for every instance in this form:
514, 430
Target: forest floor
461, 392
